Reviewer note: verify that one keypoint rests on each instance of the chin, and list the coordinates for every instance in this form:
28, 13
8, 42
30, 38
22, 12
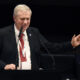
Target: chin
24, 29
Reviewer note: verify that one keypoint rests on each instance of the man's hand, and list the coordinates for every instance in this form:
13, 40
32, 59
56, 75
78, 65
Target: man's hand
10, 67
75, 40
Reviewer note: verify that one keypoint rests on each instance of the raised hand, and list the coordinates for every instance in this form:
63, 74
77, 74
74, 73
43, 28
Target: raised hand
75, 40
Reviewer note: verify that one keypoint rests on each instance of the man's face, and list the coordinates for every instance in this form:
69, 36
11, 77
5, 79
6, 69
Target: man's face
22, 19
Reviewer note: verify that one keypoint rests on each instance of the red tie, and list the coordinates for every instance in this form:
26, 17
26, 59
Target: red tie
21, 48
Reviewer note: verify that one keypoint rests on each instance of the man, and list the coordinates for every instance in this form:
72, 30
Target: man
23, 52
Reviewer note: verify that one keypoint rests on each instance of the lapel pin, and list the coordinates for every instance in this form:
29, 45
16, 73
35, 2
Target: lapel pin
29, 34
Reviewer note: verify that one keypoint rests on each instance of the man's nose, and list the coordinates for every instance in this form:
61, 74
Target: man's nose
25, 21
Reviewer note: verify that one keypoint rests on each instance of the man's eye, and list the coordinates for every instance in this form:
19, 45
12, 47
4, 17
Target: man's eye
25, 19
22, 19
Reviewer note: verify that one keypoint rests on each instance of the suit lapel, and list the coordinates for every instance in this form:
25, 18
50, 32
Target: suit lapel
12, 41
31, 43
30, 37
12, 36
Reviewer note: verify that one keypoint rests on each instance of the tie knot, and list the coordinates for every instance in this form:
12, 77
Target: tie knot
22, 34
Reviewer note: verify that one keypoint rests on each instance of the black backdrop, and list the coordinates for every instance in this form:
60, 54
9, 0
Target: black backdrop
54, 18
57, 20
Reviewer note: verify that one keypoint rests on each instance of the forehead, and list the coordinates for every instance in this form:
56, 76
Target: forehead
23, 14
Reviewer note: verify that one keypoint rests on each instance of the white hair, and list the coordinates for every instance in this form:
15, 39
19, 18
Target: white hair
21, 7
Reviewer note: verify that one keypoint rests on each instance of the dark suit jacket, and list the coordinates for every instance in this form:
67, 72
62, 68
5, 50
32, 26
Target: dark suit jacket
38, 46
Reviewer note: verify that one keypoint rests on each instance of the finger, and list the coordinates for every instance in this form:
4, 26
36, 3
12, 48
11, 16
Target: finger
7, 67
78, 37
13, 67
73, 36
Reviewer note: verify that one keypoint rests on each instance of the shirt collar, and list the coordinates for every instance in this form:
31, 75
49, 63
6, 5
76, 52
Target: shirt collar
17, 31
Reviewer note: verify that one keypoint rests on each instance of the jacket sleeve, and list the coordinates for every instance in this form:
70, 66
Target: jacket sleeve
2, 63
55, 47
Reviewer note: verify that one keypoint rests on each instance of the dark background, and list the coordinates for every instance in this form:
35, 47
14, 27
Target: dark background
57, 20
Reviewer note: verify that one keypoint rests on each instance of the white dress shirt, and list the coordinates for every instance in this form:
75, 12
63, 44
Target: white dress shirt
27, 64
